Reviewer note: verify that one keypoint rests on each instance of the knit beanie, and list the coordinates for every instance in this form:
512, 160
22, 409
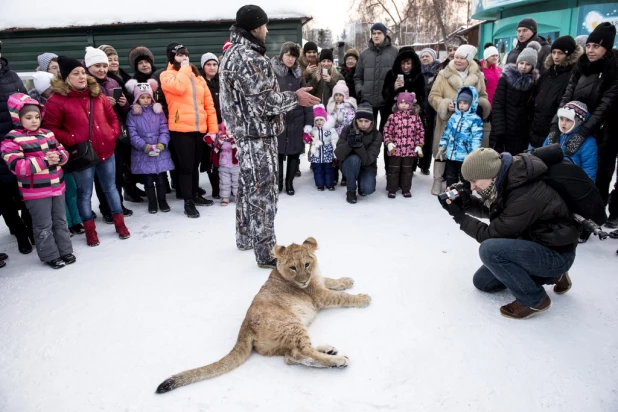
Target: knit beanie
138, 89
19, 104
566, 44
351, 53
326, 54
173, 49
251, 17
226, 45
529, 23
364, 111
581, 40
575, 111
604, 34
27, 108
490, 51
319, 112
381, 27
206, 57
530, 54
342, 88
465, 95
95, 56
42, 81
290, 47
406, 97
310, 46
67, 64
108, 50
483, 163
44, 60
455, 41
139, 53
466, 50
432, 52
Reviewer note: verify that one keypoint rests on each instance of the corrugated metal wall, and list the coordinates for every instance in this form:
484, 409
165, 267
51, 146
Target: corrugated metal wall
22, 47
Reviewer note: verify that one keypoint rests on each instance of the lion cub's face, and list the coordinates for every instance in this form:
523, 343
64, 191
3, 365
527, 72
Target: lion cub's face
296, 263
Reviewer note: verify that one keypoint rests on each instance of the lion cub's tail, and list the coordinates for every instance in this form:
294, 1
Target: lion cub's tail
237, 356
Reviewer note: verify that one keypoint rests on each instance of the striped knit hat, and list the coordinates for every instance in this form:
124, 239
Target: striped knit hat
364, 111
574, 111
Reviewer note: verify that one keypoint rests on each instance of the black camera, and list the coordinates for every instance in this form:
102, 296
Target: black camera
453, 193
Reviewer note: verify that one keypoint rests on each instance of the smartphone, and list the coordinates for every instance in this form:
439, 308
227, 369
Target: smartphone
117, 93
400, 77
324, 72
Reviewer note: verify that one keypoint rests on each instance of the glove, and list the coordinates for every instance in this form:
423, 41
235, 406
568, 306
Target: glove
307, 134
209, 139
453, 209
554, 134
441, 154
419, 151
391, 147
340, 117
161, 146
574, 144
355, 140
151, 150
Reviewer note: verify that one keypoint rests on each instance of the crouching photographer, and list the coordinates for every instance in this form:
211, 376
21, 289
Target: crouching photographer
531, 238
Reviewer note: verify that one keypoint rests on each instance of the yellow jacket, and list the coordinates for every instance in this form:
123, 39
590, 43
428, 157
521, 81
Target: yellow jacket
189, 101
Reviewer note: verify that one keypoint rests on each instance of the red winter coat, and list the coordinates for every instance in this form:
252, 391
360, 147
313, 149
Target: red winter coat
66, 114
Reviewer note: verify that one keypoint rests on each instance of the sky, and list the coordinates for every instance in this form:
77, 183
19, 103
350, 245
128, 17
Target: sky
331, 14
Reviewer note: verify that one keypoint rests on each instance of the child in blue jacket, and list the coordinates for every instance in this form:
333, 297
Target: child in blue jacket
570, 119
463, 134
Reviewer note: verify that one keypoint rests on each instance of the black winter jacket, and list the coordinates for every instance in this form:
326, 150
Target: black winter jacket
159, 96
10, 83
213, 86
368, 152
549, 91
542, 55
512, 110
291, 141
596, 85
348, 75
414, 82
373, 64
526, 208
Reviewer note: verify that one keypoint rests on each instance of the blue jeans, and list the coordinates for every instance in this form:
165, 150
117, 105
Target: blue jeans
353, 172
521, 266
323, 174
106, 172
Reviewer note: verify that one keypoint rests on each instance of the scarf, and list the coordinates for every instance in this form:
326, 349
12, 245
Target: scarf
489, 195
464, 74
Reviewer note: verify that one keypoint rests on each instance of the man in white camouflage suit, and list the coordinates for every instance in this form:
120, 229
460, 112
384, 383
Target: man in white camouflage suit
253, 107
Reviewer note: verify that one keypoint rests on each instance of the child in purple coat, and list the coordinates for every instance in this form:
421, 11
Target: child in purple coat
150, 156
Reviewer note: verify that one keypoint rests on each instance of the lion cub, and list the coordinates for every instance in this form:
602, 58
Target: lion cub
276, 322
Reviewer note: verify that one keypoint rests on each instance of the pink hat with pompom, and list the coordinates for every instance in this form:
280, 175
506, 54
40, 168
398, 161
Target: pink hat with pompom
319, 112
342, 88
140, 88
406, 97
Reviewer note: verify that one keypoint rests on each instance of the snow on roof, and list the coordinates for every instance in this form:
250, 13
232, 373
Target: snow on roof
42, 14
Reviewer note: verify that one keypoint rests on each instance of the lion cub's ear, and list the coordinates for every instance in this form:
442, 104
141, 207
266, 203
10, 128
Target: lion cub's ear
278, 251
311, 243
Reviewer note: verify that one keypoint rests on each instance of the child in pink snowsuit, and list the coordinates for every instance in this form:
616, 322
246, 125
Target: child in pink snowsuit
224, 148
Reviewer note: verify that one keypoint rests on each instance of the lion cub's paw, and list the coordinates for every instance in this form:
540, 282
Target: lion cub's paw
346, 283
363, 300
327, 349
340, 362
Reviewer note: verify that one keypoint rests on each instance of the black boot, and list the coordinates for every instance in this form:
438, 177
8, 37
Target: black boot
131, 194
290, 173
190, 209
350, 197
23, 244
152, 200
161, 192
281, 175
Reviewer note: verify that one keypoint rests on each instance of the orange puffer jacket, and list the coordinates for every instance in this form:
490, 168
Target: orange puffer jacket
189, 101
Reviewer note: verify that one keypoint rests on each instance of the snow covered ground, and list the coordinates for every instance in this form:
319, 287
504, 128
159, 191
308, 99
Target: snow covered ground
100, 335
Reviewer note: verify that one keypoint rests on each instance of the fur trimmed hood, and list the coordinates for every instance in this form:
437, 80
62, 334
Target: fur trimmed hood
350, 102
569, 61
281, 69
62, 88
517, 80
455, 81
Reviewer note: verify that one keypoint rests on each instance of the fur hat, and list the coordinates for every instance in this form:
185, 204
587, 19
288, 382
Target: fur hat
575, 111
67, 64
342, 88
431, 51
290, 47
326, 54
528, 23
455, 41
530, 54
482, 163
351, 53
319, 112
490, 51
206, 57
95, 56
138, 53
379, 26
466, 50
42, 81
604, 34
138, 89
44, 60
364, 111
410, 98
226, 45
251, 17
108, 50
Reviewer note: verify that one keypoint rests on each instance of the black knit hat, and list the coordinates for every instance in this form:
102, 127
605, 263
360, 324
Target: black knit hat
310, 46
66, 65
604, 34
364, 111
529, 23
290, 47
566, 44
251, 17
174, 48
326, 54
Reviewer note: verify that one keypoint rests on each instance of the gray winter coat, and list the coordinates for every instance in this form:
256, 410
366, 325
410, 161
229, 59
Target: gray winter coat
251, 103
374, 63
291, 140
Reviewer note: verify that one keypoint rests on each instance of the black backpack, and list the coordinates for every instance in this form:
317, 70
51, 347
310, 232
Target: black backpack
571, 182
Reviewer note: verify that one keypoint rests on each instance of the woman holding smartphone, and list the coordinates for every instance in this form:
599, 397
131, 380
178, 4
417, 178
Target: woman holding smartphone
325, 77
